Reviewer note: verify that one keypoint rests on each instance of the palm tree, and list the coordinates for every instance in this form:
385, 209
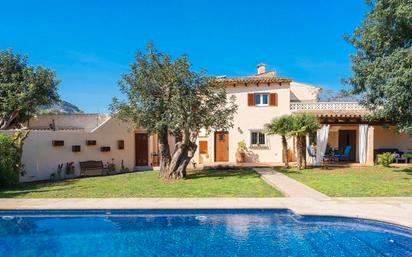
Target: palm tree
302, 125
281, 126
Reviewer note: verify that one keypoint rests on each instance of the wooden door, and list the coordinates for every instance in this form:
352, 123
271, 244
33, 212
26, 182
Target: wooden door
141, 149
221, 146
348, 137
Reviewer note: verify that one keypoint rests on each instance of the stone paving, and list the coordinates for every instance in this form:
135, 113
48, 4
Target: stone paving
397, 210
299, 198
288, 186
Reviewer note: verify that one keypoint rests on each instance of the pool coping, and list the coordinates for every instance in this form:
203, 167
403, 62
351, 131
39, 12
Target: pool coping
394, 210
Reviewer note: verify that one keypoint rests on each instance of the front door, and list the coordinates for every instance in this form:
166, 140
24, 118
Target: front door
142, 149
221, 146
348, 137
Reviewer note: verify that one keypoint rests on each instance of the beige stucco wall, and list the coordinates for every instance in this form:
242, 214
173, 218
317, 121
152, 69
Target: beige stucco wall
250, 118
333, 139
300, 92
85, 121
41, 159
388, 138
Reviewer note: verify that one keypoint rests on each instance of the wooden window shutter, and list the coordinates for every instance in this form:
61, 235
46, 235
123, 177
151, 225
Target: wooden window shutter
251, 99
203, 147
273, 99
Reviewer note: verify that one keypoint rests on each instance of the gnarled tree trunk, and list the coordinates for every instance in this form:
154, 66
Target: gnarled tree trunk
180, 159
173, 166
164, 150
6, 122
18, 139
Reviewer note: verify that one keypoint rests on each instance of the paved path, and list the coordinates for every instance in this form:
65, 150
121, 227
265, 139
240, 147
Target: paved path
397, 210
288, 186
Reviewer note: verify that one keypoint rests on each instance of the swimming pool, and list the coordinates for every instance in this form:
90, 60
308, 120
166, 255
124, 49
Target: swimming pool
195, 233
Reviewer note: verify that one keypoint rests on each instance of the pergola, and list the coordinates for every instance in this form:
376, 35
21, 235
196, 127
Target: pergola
353, 118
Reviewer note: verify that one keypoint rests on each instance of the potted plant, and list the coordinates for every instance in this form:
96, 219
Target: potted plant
241, 151
110, 167
69, 170
58, 174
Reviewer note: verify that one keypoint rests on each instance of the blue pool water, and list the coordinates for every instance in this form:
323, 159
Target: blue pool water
195, 233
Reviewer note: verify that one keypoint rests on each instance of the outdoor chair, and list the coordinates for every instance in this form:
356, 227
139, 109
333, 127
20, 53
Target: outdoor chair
346, 154
311, 154
400, 158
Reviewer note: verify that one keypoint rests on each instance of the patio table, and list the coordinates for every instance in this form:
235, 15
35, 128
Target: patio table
328, 159
397, 159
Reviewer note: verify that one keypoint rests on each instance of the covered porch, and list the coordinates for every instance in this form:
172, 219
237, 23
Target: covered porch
345, 143
364, 140
345, 131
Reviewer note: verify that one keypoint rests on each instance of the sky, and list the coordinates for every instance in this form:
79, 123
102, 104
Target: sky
91, 43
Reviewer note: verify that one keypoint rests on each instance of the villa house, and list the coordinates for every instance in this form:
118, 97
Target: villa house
56, 139
264, 96
260, 98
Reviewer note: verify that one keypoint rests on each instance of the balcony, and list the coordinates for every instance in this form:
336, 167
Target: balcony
326, 106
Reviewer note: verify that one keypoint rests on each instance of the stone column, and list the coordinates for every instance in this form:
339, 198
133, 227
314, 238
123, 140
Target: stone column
370, 145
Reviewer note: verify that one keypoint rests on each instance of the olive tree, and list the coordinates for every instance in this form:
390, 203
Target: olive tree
23, 88
164, 96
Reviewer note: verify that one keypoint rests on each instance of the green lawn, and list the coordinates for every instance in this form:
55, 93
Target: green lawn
356, 181
210, 183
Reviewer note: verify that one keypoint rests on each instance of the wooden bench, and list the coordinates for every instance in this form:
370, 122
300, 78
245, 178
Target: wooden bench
91, 166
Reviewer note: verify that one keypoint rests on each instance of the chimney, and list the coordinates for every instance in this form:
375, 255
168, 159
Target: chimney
261, 68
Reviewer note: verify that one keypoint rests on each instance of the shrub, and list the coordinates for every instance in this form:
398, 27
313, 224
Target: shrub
9, 162
241, 146
385, 159
407, 155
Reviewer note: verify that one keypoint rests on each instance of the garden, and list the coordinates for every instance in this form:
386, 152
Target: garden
372, 181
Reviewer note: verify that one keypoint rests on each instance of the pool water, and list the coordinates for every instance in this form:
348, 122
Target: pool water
195, 233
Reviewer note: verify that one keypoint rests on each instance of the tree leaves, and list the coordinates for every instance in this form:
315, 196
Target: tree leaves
165, 96
280, 126
382, 65
23, 88
161, 92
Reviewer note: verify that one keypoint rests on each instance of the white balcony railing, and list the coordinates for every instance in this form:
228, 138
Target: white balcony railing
325, 106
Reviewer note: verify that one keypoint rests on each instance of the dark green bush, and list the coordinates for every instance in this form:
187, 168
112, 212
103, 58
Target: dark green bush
407, 155
9, 162
385, 159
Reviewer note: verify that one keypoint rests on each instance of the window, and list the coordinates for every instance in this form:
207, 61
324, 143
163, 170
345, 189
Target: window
120, 144
90, 142
75, 148
258, 138
261, 99
221, 137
